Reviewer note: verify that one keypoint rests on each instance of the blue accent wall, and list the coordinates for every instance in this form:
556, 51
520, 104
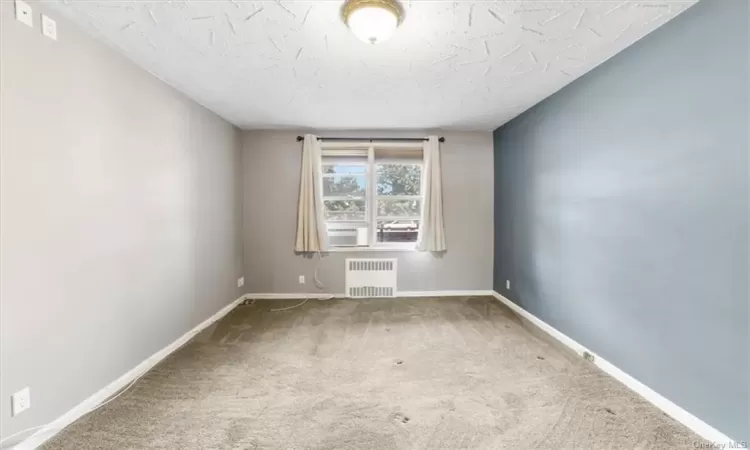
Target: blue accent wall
621, 212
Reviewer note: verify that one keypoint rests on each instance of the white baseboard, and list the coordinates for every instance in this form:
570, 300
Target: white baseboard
51, 429
399, 294
298, 296
700, 427
474, 293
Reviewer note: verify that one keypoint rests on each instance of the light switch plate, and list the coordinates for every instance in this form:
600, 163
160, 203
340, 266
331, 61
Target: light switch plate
20, 401
24, 13
49, 27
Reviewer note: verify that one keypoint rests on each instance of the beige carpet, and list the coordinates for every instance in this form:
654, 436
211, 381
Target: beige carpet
407, 373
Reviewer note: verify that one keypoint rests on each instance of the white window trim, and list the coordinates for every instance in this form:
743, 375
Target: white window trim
390, 248
371, 197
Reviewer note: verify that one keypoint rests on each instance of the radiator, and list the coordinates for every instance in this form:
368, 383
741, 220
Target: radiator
371, 277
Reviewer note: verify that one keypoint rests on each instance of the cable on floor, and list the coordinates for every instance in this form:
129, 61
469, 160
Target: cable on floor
21, 432
81, 416
319, 284
291, 307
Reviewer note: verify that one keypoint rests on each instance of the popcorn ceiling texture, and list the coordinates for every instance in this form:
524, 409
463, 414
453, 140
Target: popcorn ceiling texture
279, 64
378, 374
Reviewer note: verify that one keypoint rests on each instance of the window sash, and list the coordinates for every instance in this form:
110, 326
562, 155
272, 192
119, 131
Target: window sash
399, 197
333, 161
399, 161
344, 197
340, 174
379, 218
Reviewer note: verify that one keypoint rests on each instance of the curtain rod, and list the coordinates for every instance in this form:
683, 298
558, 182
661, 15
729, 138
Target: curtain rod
302, 138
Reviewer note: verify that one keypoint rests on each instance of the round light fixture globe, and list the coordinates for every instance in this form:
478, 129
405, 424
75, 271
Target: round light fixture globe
372, 21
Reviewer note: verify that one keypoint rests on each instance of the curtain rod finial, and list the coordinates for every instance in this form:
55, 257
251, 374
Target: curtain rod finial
442, 139
300, 138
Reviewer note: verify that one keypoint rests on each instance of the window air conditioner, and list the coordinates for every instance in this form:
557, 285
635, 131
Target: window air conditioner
347, 236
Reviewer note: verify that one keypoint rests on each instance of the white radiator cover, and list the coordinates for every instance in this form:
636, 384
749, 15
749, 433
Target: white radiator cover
374, 277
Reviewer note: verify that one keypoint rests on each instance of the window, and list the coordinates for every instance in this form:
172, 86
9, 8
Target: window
372, 196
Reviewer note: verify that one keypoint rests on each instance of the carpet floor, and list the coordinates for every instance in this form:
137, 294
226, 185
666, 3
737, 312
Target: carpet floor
380, 374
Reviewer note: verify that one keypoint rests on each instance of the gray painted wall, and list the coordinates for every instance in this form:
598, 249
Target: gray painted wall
119, 212
622, 212
271, 167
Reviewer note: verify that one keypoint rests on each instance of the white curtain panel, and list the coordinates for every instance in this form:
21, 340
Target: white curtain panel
312, 235
432, 230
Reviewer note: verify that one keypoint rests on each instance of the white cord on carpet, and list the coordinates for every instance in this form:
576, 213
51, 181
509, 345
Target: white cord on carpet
319, 284
290, 307
21, 432
82, 415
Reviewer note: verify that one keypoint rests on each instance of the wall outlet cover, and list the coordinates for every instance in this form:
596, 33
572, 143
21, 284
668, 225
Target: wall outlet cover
49, 27
301, 279
20, 401
240, 281
507, 284
24, 13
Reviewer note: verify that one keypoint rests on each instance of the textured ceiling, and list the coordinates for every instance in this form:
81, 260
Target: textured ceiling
278, 64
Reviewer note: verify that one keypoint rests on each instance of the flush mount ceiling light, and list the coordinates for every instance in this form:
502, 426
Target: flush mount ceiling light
373, 21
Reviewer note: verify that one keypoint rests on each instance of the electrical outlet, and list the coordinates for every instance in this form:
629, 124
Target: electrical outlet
20, 401
507, 284
24, 13
301, 279
240, 281
49, 27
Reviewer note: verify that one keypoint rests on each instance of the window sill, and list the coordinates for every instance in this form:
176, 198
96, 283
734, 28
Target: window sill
371, 249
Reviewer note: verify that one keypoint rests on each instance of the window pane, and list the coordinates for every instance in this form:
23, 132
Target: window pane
399, 179
344, 210
344, 168
397, 230
396, 208
344, 185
